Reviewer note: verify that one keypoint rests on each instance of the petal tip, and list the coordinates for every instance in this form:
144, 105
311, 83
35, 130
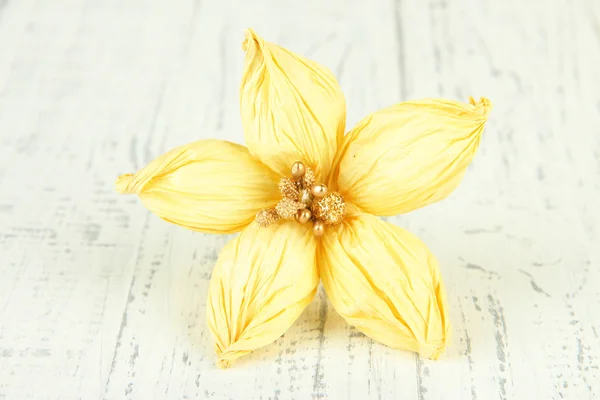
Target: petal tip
483, 106
223, 363
433, 350
435, 353
124, 185
250, 37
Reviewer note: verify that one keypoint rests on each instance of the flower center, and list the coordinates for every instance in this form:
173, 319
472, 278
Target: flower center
305, 201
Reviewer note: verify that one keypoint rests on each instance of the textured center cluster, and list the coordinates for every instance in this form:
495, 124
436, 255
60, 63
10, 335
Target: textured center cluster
305, 201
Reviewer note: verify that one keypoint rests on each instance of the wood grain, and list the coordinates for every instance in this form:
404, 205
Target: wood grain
99, 299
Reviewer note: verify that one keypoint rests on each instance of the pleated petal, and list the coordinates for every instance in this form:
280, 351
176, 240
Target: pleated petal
292, 108
262, 282
409, 155
210, 185
386, 283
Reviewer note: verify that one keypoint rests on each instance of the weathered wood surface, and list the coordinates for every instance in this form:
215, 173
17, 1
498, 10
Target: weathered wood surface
99, 299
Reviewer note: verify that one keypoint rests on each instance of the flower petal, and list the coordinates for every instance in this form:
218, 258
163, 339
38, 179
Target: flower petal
292, 108
209, 185
409, 155
385, 282
261, 284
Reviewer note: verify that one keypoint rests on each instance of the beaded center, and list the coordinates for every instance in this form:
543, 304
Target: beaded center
305, 201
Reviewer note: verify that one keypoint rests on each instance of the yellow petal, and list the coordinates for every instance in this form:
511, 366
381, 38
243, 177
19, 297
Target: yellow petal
385, 282
209, 185
262, 282
292, 108
409, 155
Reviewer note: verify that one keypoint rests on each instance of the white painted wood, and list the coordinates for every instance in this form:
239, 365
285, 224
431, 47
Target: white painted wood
99, 299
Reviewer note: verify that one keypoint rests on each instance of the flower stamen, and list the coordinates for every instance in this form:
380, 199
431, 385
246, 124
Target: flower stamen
305, 201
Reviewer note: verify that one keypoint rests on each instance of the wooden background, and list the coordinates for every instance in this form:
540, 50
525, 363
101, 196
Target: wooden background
100, 299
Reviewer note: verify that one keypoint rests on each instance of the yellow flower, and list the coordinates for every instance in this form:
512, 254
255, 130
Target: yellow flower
315, 194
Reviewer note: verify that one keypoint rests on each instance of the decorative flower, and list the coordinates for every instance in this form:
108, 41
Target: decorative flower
315, 194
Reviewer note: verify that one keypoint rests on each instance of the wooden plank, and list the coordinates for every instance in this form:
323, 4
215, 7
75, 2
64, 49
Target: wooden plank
99, 299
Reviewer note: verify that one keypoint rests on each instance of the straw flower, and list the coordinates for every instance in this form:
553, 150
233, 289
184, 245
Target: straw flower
306, 198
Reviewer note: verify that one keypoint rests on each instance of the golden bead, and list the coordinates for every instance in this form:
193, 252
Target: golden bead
303, 216
318, 229
319, 190
298, 169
